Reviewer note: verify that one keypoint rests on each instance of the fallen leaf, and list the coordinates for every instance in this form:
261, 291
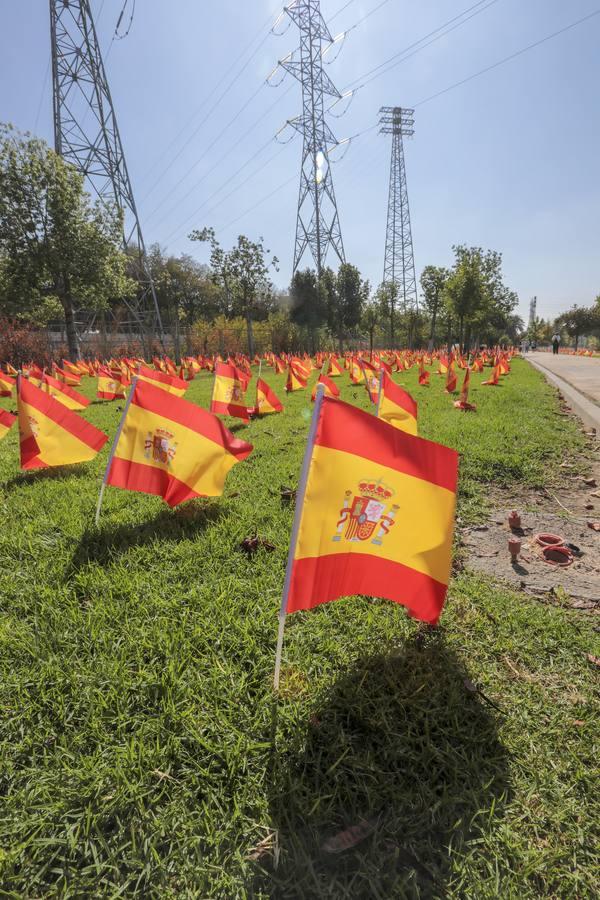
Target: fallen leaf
350, 837
251, 544
595, 660
595, 526
591, 482
579, 722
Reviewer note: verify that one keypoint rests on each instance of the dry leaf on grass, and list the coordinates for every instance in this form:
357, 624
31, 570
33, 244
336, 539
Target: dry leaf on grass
350, 837
595, 660
595, 526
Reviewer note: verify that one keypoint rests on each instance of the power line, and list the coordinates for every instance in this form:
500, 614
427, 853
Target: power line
435, 35
43, 94
510, 57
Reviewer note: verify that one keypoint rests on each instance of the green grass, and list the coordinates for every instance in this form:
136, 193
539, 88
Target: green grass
142, 753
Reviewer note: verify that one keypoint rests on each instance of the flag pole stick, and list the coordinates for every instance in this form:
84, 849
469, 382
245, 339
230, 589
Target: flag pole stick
379, 394
296, 527
113, 449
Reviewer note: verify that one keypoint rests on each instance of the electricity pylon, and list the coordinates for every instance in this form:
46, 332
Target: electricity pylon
399, 265
317, 222
86, 135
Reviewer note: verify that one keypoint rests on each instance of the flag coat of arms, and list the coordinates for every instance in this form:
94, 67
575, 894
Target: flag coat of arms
397, 407
377, 516
6, 385
172, 448
228, 391
52, 435
7, 420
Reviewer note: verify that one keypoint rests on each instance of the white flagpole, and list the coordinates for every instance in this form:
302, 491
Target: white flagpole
296, 527
113, 449
379, 394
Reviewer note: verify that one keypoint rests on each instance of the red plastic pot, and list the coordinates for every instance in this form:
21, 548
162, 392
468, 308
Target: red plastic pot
557, 556
545, 539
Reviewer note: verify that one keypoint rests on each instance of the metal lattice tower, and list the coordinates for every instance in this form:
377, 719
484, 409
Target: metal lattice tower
86, 135
532, 313
399, 265
317, 224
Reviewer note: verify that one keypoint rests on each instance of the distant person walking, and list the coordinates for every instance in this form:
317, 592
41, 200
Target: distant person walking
555, 342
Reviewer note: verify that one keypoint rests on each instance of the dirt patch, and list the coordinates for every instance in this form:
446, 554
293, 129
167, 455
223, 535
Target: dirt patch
566, 510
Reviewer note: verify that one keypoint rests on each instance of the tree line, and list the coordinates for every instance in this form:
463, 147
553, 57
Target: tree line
61, 253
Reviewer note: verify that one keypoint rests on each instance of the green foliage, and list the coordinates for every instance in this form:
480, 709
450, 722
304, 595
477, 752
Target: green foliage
143, 755
309, 304
433, 284
243, 273
56, 247
579, 320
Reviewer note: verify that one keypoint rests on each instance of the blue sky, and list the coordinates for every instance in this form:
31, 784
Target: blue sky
508, 160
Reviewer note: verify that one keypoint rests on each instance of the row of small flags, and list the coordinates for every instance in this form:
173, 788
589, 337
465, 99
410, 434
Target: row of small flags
375, 503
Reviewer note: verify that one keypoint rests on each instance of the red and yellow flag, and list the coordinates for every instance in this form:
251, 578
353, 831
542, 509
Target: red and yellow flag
70, 378
228, 391
330, 387
7, 420
356, 373
6, 385
172, 448
377, 516
450, 378
296, 380
463, 400
10, 370
494, 379
170, 383
110, 387
36, 375
396, 407
64, 394
332, 367
51, 434
423, 374
267, 400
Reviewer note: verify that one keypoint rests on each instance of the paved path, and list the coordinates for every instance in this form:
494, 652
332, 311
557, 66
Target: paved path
578, 379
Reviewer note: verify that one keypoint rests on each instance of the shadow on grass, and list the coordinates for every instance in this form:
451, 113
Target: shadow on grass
401, 749
53, 473
100, 545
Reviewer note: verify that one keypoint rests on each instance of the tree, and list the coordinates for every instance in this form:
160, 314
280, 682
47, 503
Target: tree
387, 298
371, 319
579, 320
309, 303
56, 247
244, 274
433, 283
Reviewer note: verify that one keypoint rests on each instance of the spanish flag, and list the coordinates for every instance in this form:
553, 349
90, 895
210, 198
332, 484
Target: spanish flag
51, 434
295, 380
463, 400
73, 368
169, 383
266, 399
494, 379
70, 378
110, 387
333, 368
442, 365
423, 374
64, 394
10, 370
6, 422
450, 378
172, 448
396, 407
228, 391
6, 385
356, 373
371, 381
331, 388
36, 376
377, 516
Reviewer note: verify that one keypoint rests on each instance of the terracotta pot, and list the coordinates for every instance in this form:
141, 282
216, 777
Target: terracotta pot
514, 546
514, 519
557, 556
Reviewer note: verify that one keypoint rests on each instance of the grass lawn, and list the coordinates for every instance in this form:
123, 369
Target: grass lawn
137, 725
